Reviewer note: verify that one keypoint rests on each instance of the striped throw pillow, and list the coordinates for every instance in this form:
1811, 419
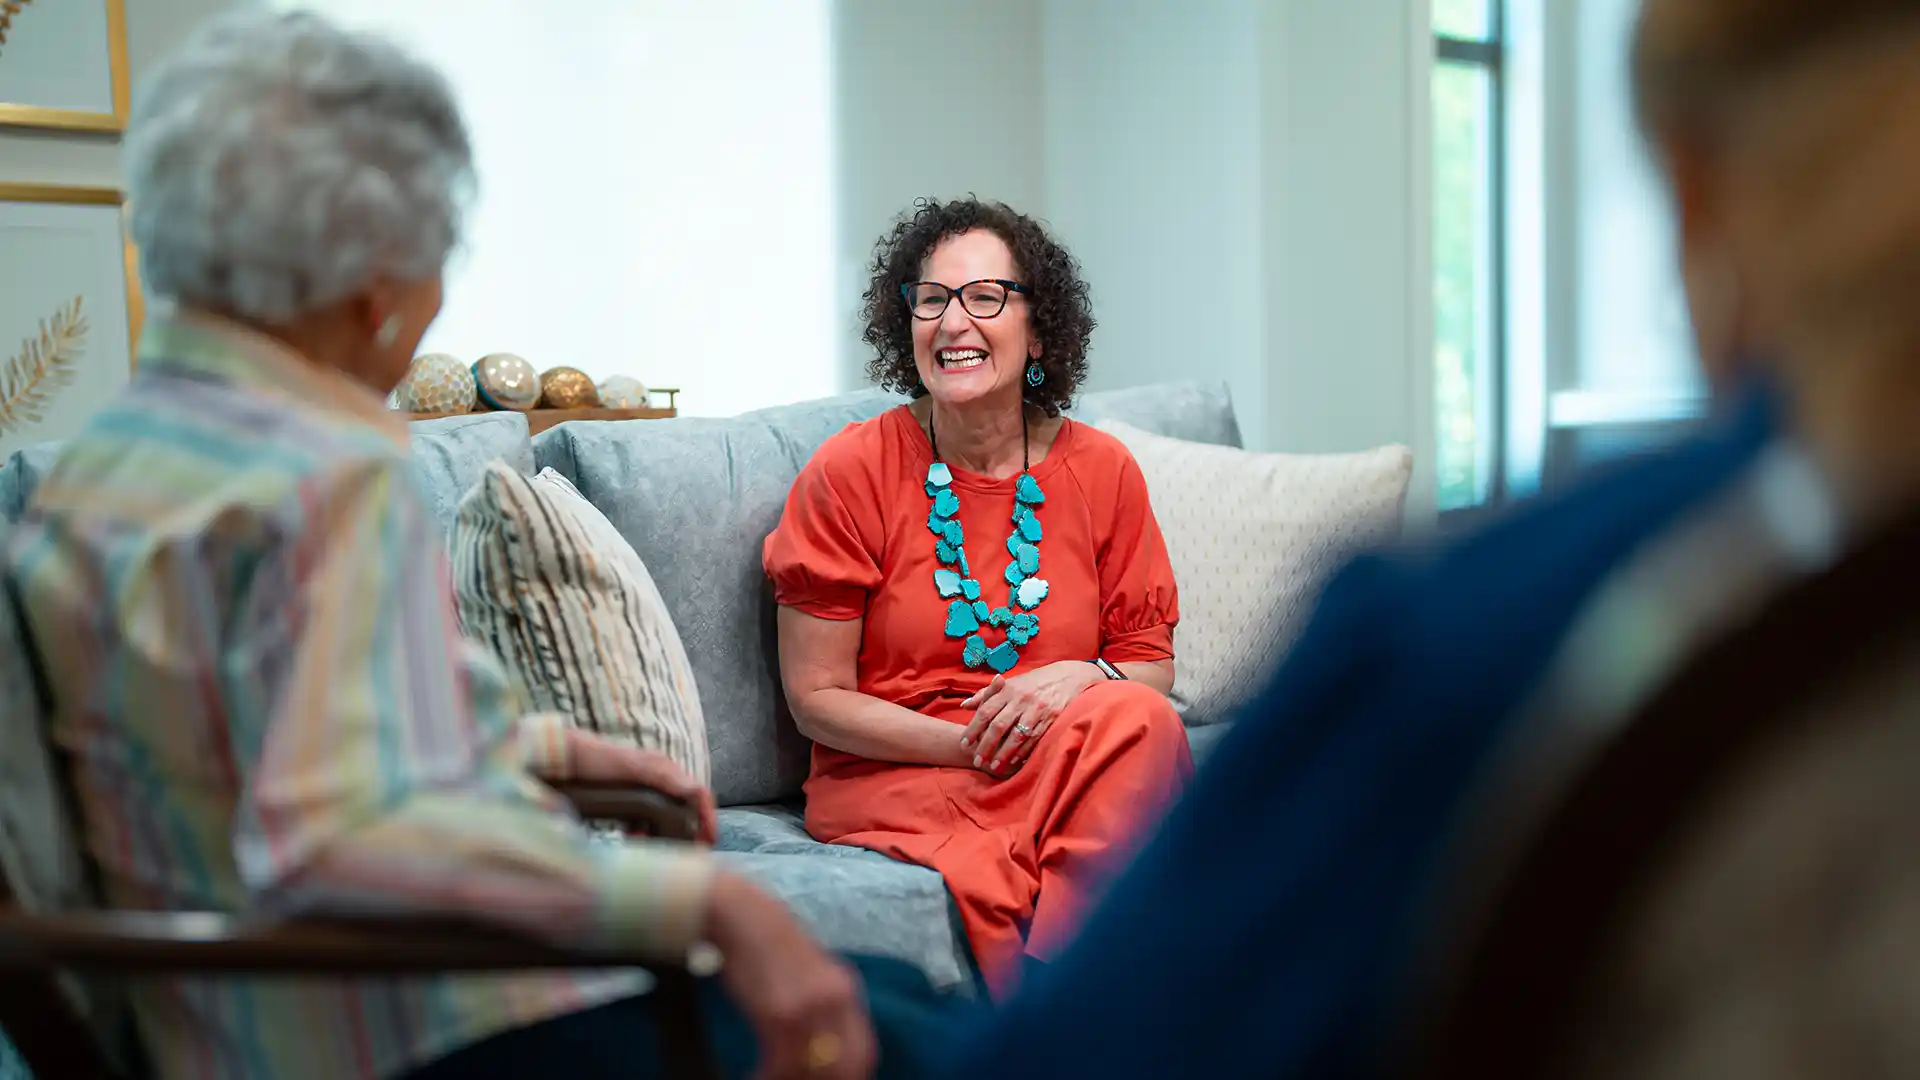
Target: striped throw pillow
545, 580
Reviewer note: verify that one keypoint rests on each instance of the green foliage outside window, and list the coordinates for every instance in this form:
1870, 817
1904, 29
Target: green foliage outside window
1461, 99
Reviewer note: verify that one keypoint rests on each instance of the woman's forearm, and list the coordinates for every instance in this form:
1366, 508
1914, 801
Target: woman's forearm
859, 724
1155, 673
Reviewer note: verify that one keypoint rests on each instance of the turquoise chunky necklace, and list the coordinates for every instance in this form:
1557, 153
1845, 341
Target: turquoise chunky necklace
967, 612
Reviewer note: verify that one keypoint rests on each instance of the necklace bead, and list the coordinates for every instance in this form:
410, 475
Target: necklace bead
967, 613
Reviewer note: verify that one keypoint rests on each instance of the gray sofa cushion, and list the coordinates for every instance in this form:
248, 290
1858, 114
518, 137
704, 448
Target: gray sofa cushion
22, 475
39, 848
860, 901
696, 498
853, 900
1194, 411
40, 842
1202, 740
449, 455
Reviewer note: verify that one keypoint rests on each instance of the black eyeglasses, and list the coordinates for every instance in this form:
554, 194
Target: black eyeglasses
981, 299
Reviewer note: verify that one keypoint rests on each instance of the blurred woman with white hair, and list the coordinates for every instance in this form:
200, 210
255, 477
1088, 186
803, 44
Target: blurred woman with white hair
247, 620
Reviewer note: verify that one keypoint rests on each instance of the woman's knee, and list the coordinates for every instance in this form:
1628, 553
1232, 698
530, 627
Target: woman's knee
1126, 707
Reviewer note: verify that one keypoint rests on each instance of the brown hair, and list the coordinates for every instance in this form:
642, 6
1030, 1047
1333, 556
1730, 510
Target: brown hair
1690, 56
1060, 310
1814, 107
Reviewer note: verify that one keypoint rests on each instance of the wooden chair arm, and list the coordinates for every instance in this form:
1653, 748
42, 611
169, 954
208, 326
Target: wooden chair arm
124, 943
130, 942
653, 812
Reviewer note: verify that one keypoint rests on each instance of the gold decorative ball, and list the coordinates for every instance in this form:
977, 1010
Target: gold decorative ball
623, 392
506, 382
436, 383
567, 388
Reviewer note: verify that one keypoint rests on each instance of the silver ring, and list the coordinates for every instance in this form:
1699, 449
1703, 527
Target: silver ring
1025, 731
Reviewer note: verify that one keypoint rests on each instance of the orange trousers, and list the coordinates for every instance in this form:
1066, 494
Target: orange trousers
1023, 856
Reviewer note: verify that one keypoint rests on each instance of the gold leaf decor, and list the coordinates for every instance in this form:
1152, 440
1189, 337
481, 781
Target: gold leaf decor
8, 9
43, 367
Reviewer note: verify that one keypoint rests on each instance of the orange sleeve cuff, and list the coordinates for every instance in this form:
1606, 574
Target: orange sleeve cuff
1147, 645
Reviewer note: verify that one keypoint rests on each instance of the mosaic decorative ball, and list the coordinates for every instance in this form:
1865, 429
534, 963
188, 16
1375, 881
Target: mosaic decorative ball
623, 392
567, 388
506, 382
436, 383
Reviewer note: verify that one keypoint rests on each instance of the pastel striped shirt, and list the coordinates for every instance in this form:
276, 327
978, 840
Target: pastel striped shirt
248, 623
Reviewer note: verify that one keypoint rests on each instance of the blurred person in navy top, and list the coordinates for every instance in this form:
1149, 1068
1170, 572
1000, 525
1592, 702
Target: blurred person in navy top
1268, 926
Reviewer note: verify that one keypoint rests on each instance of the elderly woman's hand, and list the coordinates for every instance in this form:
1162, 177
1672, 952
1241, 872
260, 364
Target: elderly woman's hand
602, 761
1011, 715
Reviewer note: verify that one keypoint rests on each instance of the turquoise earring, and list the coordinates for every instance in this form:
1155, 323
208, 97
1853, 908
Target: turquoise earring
1035, 376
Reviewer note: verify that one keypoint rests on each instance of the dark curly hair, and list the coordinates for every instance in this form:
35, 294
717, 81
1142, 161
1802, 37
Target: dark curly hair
1059, 310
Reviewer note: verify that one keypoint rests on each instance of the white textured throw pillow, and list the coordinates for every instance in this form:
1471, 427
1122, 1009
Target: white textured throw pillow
1252, 537
544, 580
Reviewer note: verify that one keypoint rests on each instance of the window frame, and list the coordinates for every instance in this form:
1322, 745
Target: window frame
1488, 55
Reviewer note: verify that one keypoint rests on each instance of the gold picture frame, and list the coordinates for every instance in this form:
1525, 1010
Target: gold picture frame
69, 195
30, 115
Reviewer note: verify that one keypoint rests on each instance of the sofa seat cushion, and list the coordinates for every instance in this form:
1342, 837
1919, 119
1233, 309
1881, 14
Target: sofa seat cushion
853, 900
773, 828
1203, 741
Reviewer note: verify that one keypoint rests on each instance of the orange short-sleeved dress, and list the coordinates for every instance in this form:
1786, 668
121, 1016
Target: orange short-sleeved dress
1021, 855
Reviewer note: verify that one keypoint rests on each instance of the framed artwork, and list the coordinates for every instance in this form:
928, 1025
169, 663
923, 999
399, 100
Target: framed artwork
63, 64
70, 309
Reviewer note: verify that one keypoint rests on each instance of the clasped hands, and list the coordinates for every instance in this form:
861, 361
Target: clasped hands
1012, 715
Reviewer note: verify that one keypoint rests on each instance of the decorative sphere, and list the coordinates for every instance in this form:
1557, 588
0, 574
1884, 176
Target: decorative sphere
506, 382
623, 392
567, 388
435, 383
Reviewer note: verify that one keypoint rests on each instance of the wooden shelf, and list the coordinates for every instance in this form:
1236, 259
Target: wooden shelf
539, 420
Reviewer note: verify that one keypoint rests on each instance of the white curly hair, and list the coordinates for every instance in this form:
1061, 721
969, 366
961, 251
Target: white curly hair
278, 163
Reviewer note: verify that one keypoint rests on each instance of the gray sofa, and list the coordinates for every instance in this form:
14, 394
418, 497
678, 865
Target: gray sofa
696, 497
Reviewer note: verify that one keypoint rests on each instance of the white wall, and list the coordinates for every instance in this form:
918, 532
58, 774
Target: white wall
931, 98
1349, 343
154, 27
1154, 181
1245, 182
656, 189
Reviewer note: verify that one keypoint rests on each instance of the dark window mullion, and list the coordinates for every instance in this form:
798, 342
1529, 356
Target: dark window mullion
1463, 51
1497, 492
1490, 55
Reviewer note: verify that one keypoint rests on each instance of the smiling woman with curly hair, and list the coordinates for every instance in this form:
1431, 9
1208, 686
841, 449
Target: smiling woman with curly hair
977, 706
1059, 311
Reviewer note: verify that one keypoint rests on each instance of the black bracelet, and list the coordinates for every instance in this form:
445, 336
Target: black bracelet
1107, 669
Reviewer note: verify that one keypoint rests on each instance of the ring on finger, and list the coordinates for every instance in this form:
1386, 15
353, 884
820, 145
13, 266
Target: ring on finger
823, 1051
1025, 731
